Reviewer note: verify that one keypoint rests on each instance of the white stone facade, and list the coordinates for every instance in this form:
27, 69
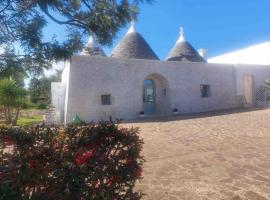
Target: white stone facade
58, 94
133, 82
177, 86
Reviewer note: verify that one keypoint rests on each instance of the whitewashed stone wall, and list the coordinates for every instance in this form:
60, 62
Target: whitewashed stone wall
58, 95
90, 77
52, 116
65, 80
260, 74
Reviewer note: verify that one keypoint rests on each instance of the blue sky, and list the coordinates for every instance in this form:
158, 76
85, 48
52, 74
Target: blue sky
219, 26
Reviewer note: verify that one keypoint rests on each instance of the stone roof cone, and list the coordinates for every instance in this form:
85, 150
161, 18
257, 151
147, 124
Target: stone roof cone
93, 48
184, 51
133, 45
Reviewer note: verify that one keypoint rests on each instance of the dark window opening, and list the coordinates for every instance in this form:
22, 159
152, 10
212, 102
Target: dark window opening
106, 99
205, 91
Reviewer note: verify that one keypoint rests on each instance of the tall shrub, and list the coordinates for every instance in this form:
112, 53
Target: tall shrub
12, 98
91, 161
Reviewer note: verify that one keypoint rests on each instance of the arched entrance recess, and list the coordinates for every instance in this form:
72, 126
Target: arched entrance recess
156, 95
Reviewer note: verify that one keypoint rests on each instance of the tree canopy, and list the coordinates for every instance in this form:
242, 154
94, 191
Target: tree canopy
22, 24
40, 89
12, 68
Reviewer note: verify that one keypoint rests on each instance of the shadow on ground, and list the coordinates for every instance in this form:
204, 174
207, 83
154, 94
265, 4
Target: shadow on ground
194, 115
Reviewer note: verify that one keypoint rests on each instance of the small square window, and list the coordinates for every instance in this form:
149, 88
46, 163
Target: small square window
205, 91
106, 99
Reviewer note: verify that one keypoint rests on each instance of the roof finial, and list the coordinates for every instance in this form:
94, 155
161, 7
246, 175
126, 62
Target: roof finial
132, 27
182, 35
93, 47
92, 41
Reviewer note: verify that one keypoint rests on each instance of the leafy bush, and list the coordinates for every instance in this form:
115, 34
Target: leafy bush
42, 106
87, 161
25, 105
29, 105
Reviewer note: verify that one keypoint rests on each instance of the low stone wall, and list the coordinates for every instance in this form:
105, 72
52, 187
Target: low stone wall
31, 113
52, 116
23, 113
2, 115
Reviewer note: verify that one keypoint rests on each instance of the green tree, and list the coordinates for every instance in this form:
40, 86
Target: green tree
22, 23
40, 89
11, 68
34, 90
12, 97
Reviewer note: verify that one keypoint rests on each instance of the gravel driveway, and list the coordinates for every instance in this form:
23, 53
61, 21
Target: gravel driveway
222, 155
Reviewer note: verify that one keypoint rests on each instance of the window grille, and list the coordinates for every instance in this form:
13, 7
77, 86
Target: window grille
106, 99
205, 91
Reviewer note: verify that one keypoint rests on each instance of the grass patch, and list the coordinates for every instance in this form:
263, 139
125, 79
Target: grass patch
39, 106
28, 121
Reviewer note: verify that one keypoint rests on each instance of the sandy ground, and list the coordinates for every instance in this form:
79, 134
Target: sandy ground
207, 157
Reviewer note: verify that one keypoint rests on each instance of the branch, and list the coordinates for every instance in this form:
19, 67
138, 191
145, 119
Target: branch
9, 32
4, 57
8, 4
86, 4
10, 56
69, 22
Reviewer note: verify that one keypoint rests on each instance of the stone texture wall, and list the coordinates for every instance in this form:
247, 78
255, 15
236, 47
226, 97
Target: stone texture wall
65, 80
90, 77
58, 96
260, 74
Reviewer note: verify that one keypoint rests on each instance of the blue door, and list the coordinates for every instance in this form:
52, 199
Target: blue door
149, 97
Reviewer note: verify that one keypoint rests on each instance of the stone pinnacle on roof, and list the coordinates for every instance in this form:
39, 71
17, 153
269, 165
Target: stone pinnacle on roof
132, 27
93, 48
182, 35
133, 45
184, 51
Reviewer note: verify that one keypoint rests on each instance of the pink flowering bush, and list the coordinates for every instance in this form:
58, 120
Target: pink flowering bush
82, 162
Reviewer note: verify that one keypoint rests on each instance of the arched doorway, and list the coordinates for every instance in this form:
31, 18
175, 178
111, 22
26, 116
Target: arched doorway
156, 95
149, 97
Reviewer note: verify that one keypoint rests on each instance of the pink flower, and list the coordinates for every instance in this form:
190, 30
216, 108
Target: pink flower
129, 162
138, 172
56, 143
65, 148
8, 141
79, 160
32, 164
83, 158
87, 155
113, 180
97, 184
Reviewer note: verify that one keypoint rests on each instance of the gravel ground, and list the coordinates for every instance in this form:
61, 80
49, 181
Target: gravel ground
222, 155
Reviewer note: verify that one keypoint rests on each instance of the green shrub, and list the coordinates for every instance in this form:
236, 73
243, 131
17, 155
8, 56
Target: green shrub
25, 105
89, 161
42, 106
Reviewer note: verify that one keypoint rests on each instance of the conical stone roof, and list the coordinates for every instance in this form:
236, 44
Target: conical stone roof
133, 45
93, 48
183, 51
